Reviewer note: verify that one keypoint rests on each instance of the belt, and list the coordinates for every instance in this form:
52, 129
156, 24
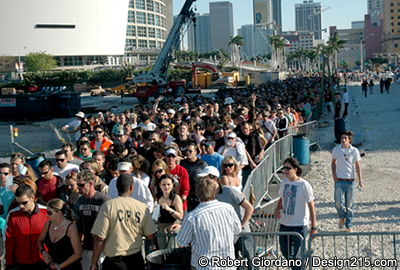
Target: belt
348, 180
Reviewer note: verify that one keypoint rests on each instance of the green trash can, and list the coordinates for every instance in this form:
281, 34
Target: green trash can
301, 149
170, 259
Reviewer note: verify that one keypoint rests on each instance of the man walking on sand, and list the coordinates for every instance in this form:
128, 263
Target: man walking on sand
346, 162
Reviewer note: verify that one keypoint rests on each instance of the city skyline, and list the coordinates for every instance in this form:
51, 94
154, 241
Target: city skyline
340, 13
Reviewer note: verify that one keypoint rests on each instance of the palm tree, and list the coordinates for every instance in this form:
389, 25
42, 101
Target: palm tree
222, 59
336, 44
277, 44
236, 42
318, 52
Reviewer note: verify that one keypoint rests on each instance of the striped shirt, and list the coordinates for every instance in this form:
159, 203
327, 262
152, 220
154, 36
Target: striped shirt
210, 229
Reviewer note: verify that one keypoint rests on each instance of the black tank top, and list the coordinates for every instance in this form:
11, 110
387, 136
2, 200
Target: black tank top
61, 250
165, 216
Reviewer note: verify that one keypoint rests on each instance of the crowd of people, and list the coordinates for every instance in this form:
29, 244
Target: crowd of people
125, 170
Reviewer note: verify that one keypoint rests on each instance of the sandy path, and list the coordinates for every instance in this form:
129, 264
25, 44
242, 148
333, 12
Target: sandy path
377, 208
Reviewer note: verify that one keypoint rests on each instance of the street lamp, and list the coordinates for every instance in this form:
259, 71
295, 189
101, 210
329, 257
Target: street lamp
362, 40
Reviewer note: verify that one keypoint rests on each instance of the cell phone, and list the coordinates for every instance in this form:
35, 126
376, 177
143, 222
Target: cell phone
22, 169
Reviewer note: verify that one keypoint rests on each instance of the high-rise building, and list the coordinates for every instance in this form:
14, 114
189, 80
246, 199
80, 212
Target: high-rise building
357, 24
255, 40
262, 12
308, 18
277, 14
353, 49
391, 26
375, 10
373, 37
221, 21
199, 36
148, 22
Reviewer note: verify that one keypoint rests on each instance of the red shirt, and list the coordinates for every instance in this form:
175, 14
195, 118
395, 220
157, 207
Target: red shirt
184, 186
48, 188
22, 233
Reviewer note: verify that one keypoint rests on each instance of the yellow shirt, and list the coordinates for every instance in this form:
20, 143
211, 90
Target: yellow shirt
122, 222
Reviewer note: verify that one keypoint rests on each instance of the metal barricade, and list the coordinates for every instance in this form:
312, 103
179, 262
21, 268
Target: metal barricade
261, 177
309, 130
268, 250
358, 250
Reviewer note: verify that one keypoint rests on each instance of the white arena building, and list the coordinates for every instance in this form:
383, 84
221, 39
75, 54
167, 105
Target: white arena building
84, 32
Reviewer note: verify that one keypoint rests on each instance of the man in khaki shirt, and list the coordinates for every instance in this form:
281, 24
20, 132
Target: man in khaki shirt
119, 228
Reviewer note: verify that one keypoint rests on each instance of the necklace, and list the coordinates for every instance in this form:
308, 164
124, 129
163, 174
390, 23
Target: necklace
57, 227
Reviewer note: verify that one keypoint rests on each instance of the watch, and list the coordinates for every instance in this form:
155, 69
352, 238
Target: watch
314, 228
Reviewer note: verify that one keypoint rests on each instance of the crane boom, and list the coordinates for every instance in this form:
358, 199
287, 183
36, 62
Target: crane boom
158, 73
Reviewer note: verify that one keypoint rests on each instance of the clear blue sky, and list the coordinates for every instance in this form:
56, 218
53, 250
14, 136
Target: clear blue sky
341, 13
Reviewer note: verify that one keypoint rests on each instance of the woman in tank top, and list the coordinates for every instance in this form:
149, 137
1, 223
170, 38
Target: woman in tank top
59, 241
230, 174
171, 210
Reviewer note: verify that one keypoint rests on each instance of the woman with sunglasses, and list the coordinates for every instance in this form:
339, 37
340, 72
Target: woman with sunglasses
230, 173
171, 210
59, 241
298, 211
158, 169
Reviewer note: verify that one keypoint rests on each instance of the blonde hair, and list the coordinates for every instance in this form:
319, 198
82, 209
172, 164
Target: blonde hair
230, 159
60, 206
156, 164
93, 164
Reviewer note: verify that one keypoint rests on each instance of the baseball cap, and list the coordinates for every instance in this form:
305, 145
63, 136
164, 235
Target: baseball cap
120, 132
171, 151
171, 111
228, 100
80, 114
209, 170
232, 135
124, 166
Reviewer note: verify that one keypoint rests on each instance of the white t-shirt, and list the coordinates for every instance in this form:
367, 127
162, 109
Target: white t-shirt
295, 198
73, 125
345, 161
149, 127
64, 172
268, 128
140, 192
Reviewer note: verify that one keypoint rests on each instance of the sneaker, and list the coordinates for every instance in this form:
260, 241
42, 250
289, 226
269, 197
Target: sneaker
341, 223
349, 230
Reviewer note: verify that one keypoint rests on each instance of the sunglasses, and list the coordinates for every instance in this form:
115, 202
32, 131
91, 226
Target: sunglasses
199, 128
81, 184
44, 173
60, 159
228, 165
50, 213
4, 173
171, 156
23, 203
159, 171
98, 131
287, 168
84, 149
230, 138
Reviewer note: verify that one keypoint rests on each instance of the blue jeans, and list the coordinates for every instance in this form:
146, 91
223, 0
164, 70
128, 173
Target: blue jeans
290, 244
345, 190
245, 245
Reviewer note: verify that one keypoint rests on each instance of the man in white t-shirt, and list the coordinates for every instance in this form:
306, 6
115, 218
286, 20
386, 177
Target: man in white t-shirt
295, 209
74, 125
140, 191
346, 163
62, 167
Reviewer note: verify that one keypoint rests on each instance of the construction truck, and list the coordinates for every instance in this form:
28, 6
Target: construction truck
154, 82
214, 79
